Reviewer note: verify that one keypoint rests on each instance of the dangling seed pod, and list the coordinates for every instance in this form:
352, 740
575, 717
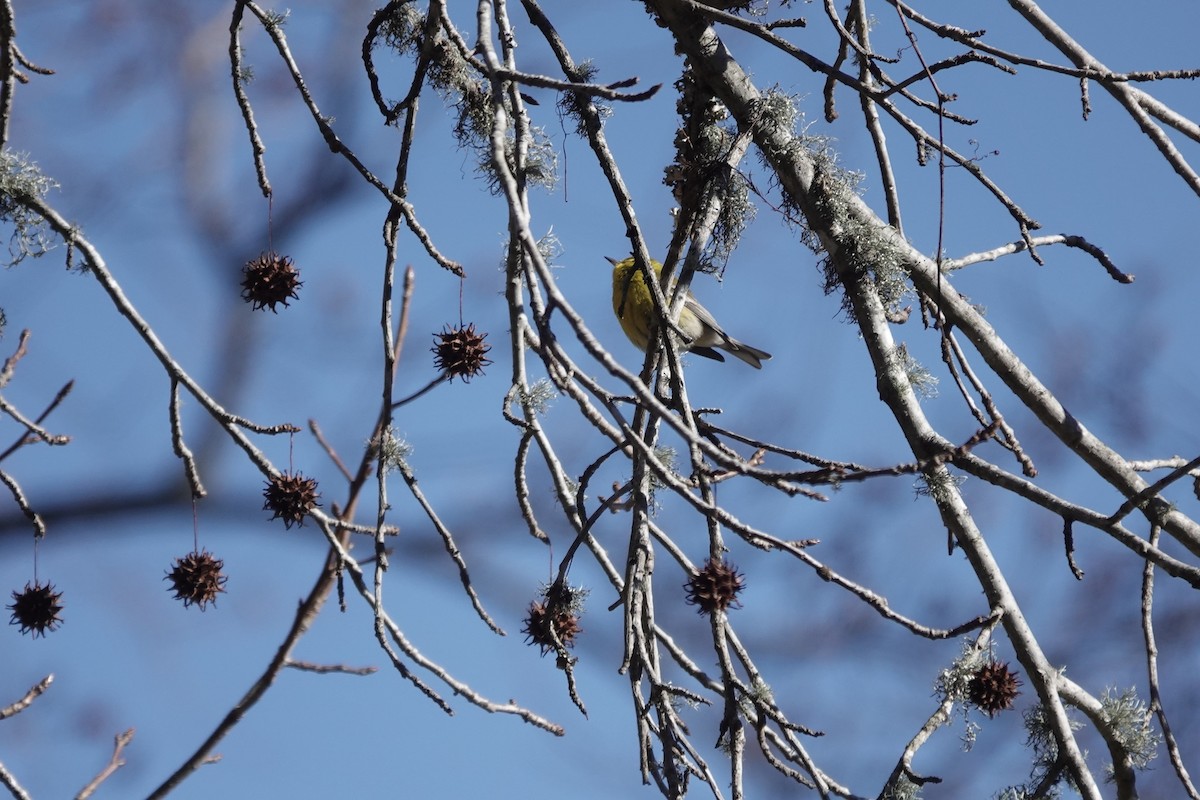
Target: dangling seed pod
993, 688
558, 612
270, 279
538, 624
715, 587
36, 609
461, 352
290, 497
196, 578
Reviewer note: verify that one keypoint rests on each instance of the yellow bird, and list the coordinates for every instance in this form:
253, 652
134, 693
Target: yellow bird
634, 307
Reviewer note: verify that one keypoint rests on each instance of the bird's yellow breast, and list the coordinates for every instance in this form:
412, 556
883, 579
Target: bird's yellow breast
632, 302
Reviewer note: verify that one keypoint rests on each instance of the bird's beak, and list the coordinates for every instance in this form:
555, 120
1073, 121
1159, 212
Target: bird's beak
612, 261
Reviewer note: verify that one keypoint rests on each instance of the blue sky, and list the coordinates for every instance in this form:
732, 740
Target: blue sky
143, 139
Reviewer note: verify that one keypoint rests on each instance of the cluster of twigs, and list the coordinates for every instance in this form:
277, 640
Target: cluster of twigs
867, 261
871, 265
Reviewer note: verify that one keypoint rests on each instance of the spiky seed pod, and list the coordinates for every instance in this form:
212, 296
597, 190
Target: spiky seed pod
993, 688
36, 608
290, 497
538, 626
270, 279
196, 578
715, 587
460, 352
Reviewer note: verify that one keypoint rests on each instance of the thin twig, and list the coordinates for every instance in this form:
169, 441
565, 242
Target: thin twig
34, 692
120, 741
